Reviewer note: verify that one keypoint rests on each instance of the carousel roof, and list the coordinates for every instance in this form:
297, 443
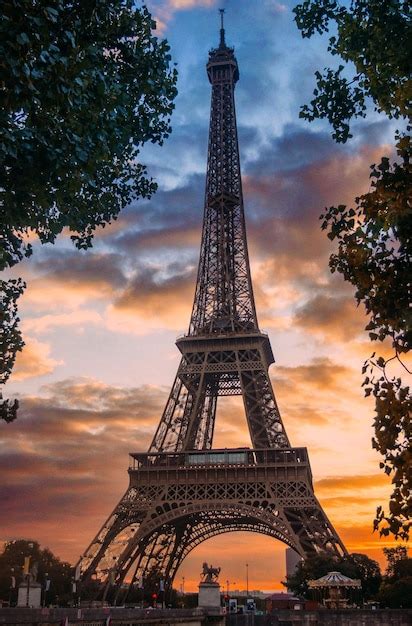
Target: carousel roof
334, 579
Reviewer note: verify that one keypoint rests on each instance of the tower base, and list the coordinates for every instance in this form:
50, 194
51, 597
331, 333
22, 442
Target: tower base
176, 501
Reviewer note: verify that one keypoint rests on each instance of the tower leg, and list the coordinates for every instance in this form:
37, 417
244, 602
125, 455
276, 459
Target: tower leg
265, 424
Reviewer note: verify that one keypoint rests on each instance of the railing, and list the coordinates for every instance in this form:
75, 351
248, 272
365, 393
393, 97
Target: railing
216, 334
224, 457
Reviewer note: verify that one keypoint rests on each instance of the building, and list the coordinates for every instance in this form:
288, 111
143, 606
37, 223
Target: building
283, 600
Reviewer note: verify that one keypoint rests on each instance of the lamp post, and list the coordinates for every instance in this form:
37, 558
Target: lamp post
182, 592
26, 571
12, 584
77, 576
228, 583
247, 580
74, 590
46, 587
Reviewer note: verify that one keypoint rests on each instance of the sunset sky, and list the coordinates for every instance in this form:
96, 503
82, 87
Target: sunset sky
100, 326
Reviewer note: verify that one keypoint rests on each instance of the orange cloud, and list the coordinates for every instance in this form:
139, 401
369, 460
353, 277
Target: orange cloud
180, 5
78, 318
34, 360
359, 537
163, 11
351, 483
54, 459
321, 373
166, 302
329, 316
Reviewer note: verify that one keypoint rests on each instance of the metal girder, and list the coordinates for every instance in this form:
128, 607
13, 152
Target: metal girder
224, 297
223, 322
203, 375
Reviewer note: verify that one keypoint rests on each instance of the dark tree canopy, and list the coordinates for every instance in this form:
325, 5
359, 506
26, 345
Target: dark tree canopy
394, 556
374, 236
374, 37
10, 339
353, 565
83, 85
12, 562
396, 590
397, 594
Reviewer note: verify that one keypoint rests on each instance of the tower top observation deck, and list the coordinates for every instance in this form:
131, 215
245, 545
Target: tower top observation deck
222, 59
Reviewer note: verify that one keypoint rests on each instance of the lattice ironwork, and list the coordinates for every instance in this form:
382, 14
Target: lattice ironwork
175, 502
183, 492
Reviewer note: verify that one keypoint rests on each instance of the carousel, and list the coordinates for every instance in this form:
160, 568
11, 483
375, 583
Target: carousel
334, 590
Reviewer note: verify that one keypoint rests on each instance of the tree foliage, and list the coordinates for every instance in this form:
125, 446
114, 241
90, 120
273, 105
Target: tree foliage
11, 565
395, 556
397, 594
142, 591
396, 590
375, 235
353, 565
83, 85
375, 37
10, 339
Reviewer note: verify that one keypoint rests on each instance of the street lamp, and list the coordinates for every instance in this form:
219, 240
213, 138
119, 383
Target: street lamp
12, 583
247, 580
26, 570
229, 582
46, 587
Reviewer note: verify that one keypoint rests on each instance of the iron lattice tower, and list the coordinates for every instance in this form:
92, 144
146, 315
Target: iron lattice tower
181, 491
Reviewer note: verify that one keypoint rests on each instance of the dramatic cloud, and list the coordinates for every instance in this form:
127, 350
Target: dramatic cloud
331, 316
79, 319
75, 439
163, 11
161, 295
351, 483
34, 360
76, 271
361, 494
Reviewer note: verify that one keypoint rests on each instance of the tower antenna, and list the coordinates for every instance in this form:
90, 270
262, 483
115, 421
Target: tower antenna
222, 29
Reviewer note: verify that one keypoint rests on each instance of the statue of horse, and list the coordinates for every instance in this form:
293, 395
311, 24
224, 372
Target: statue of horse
210, 573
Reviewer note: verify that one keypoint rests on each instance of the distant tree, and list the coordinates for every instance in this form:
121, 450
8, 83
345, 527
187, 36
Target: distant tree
12, 562
190, 600
83, 85
403, 569
397, 594
310, 569
367, 570
396, 590
353, 565
10, 339
394, 556
142, 591
374, 236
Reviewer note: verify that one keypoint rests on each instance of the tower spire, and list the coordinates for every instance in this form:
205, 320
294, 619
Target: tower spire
222, 43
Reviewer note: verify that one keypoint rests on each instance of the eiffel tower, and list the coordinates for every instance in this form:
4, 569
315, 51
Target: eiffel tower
182, 491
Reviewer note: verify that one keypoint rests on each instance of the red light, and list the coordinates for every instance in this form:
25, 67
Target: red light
154, 596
